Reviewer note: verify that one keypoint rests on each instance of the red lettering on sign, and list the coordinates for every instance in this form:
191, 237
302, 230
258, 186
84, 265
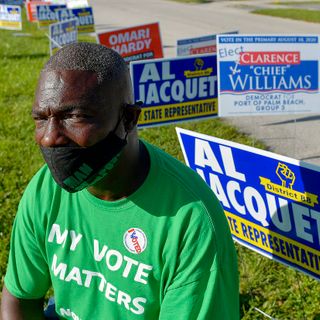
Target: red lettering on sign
207, 49
260, 58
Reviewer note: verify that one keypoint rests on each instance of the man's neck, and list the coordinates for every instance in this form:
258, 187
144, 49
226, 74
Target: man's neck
127, 177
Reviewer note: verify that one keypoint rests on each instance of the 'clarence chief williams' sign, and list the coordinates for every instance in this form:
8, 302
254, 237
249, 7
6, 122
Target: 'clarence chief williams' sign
268, 74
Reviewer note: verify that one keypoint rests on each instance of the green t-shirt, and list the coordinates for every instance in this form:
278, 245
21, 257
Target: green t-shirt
163, 252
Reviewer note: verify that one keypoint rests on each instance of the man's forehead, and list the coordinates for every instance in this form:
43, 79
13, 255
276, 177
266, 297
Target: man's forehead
76, 79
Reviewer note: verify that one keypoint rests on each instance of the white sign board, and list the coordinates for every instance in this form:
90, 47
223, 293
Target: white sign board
10, 17
268, 74
72, 4
198, 45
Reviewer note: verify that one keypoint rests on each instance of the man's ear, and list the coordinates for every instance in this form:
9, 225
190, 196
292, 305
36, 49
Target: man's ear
131, 115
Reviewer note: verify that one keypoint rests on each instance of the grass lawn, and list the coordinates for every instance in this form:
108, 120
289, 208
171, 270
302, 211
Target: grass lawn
295, 14
289, 3
275, 289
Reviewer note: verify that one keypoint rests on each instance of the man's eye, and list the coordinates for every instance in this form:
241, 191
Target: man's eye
39, 118
76, 117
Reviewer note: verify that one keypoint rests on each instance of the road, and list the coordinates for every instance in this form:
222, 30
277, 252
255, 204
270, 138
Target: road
295, 136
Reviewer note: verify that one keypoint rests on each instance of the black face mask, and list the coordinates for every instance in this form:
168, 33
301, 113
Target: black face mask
75, 168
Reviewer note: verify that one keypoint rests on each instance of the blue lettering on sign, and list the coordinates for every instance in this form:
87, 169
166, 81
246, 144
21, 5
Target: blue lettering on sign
12, 2
268, 39
177, 89
263, 78
272, 207
180, 80
65, 14
48, 12
196, 40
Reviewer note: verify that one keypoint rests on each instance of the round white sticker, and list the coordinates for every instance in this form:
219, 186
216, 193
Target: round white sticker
135, 240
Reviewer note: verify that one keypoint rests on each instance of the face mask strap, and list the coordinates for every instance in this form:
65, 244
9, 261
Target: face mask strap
118, 122
137, 104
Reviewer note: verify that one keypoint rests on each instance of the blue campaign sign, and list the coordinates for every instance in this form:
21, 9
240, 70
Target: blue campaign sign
271, 202
268, 74
177, 89
83, 15
62, 33
47, 14
12, 2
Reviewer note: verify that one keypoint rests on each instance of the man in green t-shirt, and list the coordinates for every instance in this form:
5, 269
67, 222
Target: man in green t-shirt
118, 228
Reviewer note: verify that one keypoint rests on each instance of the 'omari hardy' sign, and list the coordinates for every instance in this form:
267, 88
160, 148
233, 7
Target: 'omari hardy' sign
268, 74
134, 43
62, 33
271, 201
177, 89
10, 17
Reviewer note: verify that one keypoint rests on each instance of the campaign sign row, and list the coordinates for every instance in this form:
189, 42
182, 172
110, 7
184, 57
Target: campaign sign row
46, 13
272, 207
250, 75
31, 6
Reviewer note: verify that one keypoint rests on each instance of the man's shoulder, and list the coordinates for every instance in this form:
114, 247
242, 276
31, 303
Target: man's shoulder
41, 179
183, 189
41, 190
194, 206
177, 174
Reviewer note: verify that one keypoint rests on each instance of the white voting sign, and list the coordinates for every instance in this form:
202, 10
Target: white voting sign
268, 74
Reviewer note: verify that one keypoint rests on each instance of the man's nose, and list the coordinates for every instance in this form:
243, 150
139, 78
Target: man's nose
53, 134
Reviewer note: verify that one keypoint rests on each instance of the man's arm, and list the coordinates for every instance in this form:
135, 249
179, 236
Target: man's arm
205, 284
213, 297
27, 277
13, 308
